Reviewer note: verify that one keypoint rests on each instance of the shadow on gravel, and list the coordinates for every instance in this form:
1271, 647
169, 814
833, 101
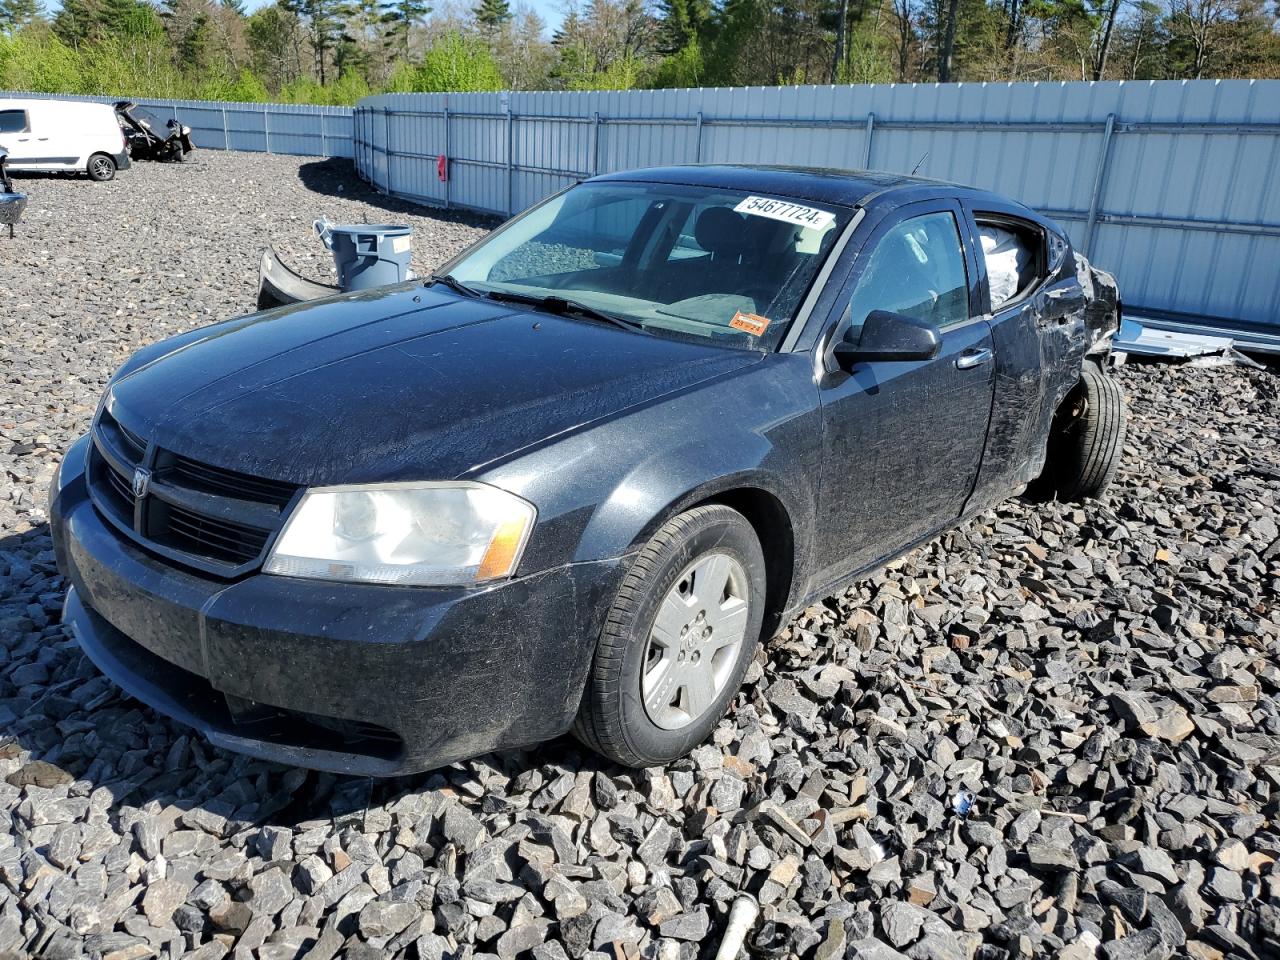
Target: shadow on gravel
337, 177
66, 727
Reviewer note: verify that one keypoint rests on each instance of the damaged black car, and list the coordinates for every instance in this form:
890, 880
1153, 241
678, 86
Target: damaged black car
572, 481
147, 138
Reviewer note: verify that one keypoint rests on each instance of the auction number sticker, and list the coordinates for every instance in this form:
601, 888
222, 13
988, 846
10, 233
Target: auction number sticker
787, 212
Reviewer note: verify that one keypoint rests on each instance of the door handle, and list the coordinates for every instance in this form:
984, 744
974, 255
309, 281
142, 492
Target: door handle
973, 358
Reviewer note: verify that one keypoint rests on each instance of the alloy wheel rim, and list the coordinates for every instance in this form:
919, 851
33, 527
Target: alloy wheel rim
102, 167
695, 640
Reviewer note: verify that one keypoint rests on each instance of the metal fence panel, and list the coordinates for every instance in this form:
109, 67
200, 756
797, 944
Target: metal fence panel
298, 129
1170, 184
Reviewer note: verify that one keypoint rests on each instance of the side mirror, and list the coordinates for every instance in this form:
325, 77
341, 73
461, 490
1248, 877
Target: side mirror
890, 336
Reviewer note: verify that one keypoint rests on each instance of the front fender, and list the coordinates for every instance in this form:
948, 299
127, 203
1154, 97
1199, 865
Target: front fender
667, 483
603, 491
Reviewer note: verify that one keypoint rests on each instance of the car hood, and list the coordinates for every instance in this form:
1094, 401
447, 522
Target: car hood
394, 384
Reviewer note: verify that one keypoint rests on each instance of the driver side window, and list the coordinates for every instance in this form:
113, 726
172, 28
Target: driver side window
917, 269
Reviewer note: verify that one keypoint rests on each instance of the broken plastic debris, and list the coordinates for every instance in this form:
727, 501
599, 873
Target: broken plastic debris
742, 915
962, 802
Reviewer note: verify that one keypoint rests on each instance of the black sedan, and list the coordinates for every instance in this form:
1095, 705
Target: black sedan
572, 481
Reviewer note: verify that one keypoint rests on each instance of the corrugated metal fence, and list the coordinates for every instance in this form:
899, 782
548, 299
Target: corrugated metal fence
1172, 185
258, 127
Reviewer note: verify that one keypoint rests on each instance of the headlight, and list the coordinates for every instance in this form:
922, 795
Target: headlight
436, 534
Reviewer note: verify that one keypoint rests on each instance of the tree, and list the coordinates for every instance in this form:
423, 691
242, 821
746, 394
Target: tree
947, 50
16, 14
491, 15
324, 21
904, 34
276, 45
399, 17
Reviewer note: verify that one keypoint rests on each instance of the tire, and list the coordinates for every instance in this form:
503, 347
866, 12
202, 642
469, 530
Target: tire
1086, 439
627, 669
101, 168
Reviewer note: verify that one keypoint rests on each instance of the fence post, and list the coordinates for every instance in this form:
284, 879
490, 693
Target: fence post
595, 143
387, 151
324, 144
697, 138
266, 127
1099, 184
510, 163
866, 149
448, 174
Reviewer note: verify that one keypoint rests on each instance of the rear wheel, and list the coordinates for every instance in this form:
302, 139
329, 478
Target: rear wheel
677, 640
1086, 439
101, 168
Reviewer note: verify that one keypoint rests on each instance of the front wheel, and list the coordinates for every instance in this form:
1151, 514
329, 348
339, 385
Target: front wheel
677, 640
101, 168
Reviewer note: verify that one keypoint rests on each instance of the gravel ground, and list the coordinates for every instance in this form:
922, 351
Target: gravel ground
1052, 732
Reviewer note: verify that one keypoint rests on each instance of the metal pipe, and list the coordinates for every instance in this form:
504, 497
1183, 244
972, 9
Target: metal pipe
866, 149
1099, 182
595, 143
510, 159
697, 140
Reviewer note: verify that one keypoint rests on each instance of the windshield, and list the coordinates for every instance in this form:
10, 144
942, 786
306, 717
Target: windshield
682, 261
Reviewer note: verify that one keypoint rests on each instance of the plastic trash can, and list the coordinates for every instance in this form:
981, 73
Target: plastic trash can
368, 254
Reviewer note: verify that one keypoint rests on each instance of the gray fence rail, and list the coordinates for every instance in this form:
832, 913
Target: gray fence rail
288, 128
1172, 185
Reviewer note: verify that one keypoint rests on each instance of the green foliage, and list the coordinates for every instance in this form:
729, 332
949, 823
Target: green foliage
338, 51
622, 74
455, 63
684, 68
36, 60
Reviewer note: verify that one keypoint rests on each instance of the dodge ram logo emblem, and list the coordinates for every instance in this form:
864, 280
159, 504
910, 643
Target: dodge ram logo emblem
141, 482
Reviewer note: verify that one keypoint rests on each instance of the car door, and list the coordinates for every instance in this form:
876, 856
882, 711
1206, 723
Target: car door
1037, 327
16, 136
903, 440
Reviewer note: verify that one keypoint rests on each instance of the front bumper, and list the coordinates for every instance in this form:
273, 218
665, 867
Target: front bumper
353, 678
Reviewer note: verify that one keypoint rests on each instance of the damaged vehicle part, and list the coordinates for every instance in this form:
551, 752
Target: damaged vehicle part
364, 256
278, 285
572, 481
149, 138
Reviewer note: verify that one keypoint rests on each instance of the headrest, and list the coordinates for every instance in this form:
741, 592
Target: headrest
720, 230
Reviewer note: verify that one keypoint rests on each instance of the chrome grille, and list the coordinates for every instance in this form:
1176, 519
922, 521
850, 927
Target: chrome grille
206, 516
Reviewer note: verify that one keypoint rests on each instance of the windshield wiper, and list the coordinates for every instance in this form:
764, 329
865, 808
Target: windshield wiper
566, 308
454, 284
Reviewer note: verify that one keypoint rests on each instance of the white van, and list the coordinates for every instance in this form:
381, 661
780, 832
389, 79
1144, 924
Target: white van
62, 135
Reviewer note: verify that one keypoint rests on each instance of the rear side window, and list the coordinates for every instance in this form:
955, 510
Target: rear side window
13, 121
1015, 256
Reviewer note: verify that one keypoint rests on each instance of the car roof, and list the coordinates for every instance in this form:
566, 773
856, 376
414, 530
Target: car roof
28, 103
824, 185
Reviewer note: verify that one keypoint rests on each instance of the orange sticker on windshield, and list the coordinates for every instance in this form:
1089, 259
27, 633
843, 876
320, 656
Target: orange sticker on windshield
752, 323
